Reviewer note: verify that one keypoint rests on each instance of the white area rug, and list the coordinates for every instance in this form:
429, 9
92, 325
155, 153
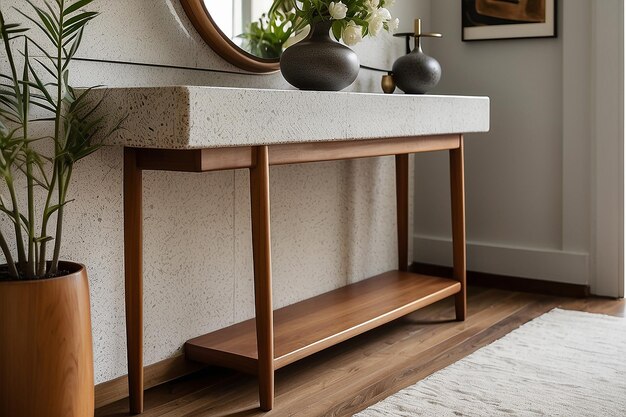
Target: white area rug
564, 363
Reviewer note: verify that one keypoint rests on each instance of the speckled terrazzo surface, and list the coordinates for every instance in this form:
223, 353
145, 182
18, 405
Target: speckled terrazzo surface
187, 117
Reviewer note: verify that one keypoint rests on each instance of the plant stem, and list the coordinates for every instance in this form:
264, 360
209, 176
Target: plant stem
9, 180
58, 149
7, 254
17, 220
59, 63
63, 186
41, 268
30, 265
30, 183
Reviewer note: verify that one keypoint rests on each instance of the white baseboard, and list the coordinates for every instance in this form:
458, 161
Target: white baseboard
541, 264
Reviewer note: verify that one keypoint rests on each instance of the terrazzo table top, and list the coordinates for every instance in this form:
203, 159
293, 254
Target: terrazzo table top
188, 117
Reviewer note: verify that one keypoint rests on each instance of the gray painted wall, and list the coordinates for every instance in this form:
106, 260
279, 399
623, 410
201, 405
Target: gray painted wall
528, 180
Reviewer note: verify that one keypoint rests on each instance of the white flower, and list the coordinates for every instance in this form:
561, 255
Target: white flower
337, 11
393, 25
373, 4
390, 3
383, 14
352, 34
376, 21
375, 25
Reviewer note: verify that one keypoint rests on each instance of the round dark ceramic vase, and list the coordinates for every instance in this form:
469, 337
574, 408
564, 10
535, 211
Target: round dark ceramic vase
416, 73
319, 63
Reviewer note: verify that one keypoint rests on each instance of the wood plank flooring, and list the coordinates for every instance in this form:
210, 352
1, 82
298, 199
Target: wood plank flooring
360, 372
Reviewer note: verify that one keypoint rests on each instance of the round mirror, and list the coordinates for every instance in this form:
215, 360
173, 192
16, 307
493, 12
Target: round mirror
240, 31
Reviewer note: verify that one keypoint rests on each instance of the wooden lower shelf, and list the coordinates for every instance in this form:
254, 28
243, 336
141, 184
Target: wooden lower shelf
312, 325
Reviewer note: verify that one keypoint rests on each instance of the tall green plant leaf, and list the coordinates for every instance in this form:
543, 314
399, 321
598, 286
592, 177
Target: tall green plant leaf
76, 6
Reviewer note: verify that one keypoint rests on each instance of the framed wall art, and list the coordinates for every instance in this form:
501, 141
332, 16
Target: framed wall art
508, 19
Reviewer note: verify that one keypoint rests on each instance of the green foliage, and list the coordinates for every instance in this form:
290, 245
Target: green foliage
265, 37
359, 12
42, 83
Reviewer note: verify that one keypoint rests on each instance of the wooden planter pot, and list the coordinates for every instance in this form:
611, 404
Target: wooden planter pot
46, 354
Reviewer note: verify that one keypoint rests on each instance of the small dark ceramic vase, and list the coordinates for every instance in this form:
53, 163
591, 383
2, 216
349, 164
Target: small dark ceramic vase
319, 62
416, 73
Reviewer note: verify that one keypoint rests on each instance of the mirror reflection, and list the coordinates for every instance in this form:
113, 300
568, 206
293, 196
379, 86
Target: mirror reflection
246, 24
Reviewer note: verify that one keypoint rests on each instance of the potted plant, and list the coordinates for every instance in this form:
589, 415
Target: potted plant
46, 359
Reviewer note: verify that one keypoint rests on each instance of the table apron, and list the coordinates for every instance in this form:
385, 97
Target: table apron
218, 159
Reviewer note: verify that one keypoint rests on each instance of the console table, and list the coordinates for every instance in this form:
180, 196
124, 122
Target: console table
203, 129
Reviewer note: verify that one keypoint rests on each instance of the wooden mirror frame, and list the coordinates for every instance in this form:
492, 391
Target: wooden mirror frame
220, 43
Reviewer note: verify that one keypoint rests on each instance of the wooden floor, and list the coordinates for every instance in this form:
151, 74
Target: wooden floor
360, 372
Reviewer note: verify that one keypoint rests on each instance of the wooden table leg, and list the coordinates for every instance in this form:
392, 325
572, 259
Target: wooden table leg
457, 188
261, 244
133, 265
402, 200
